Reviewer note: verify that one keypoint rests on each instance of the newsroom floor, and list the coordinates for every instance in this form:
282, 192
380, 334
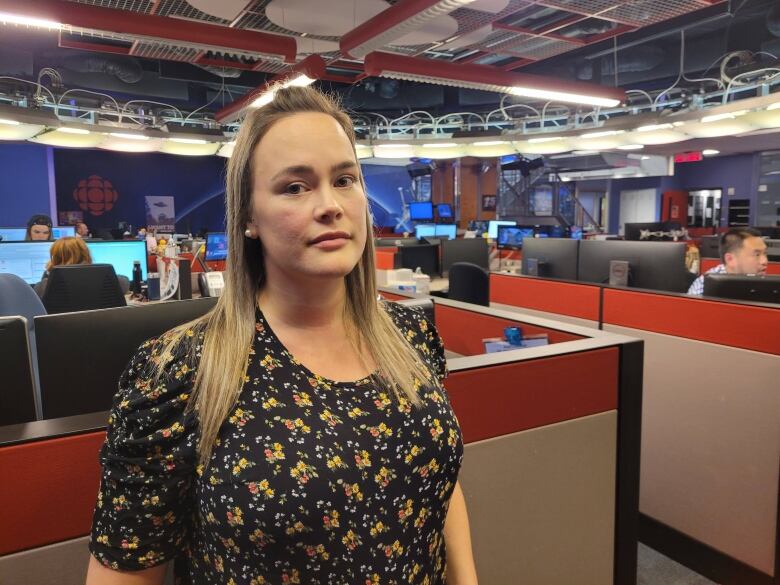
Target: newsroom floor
653, 568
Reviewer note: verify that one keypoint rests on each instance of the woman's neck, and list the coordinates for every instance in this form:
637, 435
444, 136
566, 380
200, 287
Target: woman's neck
305, 308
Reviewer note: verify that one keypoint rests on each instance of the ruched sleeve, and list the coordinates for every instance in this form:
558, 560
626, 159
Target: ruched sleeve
144, 508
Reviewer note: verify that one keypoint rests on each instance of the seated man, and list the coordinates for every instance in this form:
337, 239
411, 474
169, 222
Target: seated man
742, 251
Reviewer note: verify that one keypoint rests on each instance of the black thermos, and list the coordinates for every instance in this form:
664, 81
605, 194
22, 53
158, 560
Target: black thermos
136, 286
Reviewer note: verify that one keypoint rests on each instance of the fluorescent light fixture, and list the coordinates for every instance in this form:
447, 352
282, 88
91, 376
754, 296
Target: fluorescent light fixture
363, 151
544, 139
654, 127
584, 152
602, 134
297, 81
490, 143
393, 145
439, 145
7, 18
189, 140
19, 131
264, 99
226, 150
66, 130
201, 148
57, 137
631, 147
726, 116
710, 152
128, 136
774, 106
6, 122
560, 96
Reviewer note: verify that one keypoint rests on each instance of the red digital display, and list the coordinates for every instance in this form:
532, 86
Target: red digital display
684, 157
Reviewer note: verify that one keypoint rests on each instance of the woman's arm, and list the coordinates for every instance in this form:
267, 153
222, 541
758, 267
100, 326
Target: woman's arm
460, 559
97, 574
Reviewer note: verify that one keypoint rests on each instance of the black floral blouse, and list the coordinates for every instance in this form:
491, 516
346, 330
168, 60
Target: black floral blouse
311, 481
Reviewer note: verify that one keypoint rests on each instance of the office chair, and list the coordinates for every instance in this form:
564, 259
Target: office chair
469, 283
81, 287
18, 400
18, 298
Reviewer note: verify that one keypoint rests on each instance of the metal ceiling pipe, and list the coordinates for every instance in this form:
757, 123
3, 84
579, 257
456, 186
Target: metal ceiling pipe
162, 28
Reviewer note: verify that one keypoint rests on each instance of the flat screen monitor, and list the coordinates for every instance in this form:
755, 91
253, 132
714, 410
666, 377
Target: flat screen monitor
575, 232
652, 265
425, 230
555, 257
421, 211
709, 246
448, 231
493, 227
12, 234
216, 246
763, 289
474, 250
65, 231
27, 260
511, 237
556, 231
423, 256
444, 210
121, 254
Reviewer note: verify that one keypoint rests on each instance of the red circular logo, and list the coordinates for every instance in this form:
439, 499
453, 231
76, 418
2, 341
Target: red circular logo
95, 194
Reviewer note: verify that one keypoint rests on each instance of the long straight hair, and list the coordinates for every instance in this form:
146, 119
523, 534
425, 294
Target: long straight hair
230, 326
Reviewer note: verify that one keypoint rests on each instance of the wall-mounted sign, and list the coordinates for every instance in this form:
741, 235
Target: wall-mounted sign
686, 157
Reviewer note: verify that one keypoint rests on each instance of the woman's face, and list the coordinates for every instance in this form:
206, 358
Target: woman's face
308, 206
40, 232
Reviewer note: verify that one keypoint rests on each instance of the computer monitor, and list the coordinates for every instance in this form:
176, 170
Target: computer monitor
763, 289
448, 231
556, 231
425, 230
17, 400
444, 210
424, 256
121, 255
64, 231
27, 260
652, 265
552, 257
111, 336
493, 227
421, 211
709, 246
474, 250
216, 246
575, 232
12, 234
511, 237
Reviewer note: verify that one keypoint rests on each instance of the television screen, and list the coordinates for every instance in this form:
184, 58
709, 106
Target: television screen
421, 211
493, 227
448, 231
425, 230
216, 246
12, 234
511, 237
444, 210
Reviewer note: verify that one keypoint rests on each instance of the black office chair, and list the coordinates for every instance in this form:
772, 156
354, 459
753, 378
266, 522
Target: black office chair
469, 283
81, 287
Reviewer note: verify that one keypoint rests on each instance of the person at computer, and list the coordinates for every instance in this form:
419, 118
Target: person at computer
742, 251
67, 251
299, 432
82, 230
39, 228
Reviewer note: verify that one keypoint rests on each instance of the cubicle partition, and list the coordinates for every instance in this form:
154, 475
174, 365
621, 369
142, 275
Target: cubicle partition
550, 468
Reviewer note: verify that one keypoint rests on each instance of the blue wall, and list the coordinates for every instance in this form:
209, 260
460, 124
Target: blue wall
24, 183
385, 199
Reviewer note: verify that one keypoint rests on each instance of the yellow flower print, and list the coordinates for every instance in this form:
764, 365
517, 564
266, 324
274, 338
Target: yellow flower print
330, 418
452, 438
296, 424
394, 548
259, 580
271, 403
422, 516
240, 417
269, 362
303, 472
362, 459
256, 487
297, 527
436, 430
302, 399
353, 491
235, 517
413, 452
331, 520
261, 539
382, 429
275, 453
335, 462
351, 540
383, 400
405, 512
241, 464
384, 476
431, 467
293, 578
378, 529
356, 412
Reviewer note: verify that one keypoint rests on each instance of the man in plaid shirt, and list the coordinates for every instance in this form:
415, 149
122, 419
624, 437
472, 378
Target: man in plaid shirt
742, 251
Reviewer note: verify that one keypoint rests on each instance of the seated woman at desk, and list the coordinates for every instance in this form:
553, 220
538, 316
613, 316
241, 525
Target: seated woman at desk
67, 251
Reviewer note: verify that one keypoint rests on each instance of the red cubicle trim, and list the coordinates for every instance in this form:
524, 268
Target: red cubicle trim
575, 300
48, 491
508, 398
385, 258
735, 325
463, 331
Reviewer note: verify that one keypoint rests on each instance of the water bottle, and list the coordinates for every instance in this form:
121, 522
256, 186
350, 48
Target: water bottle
422, 282
136, 277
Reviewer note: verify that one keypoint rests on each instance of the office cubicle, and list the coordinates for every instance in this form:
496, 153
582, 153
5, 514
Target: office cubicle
549, 473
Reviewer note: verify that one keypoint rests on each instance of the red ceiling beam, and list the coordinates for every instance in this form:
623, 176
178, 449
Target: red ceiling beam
517, 63
618, 30
533, 33
158, 27
89, 46
472, 58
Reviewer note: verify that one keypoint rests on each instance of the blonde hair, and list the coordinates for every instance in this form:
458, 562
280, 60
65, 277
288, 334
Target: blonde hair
230, 326
69, 251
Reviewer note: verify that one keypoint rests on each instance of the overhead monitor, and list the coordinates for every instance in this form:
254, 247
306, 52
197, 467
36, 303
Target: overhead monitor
12, 234
121, 254
511, 237
421, 211
551, 257
764, 289
425, 230
216, 246
444, 210
64, 231
493, 227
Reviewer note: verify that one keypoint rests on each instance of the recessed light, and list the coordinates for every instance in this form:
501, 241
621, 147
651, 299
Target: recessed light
653, 127
602, 134
490, 143
710, 152
631, 147
128, 136
544, 139
74, 130
9, 122
726, 116
439, 145
188, 140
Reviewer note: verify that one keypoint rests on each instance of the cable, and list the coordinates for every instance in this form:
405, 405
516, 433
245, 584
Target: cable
221, 90
169, 106
644, 93
733, 79
59, 101
46, 89
680, 74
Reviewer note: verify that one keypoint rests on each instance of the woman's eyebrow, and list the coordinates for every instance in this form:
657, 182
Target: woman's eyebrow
309, 170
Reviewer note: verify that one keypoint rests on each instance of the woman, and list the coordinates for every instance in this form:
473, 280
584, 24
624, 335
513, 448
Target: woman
38, 229
71, 250
227, 452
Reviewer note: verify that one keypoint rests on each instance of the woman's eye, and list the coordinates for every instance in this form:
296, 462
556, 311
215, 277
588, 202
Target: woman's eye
294, 189
345, 181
